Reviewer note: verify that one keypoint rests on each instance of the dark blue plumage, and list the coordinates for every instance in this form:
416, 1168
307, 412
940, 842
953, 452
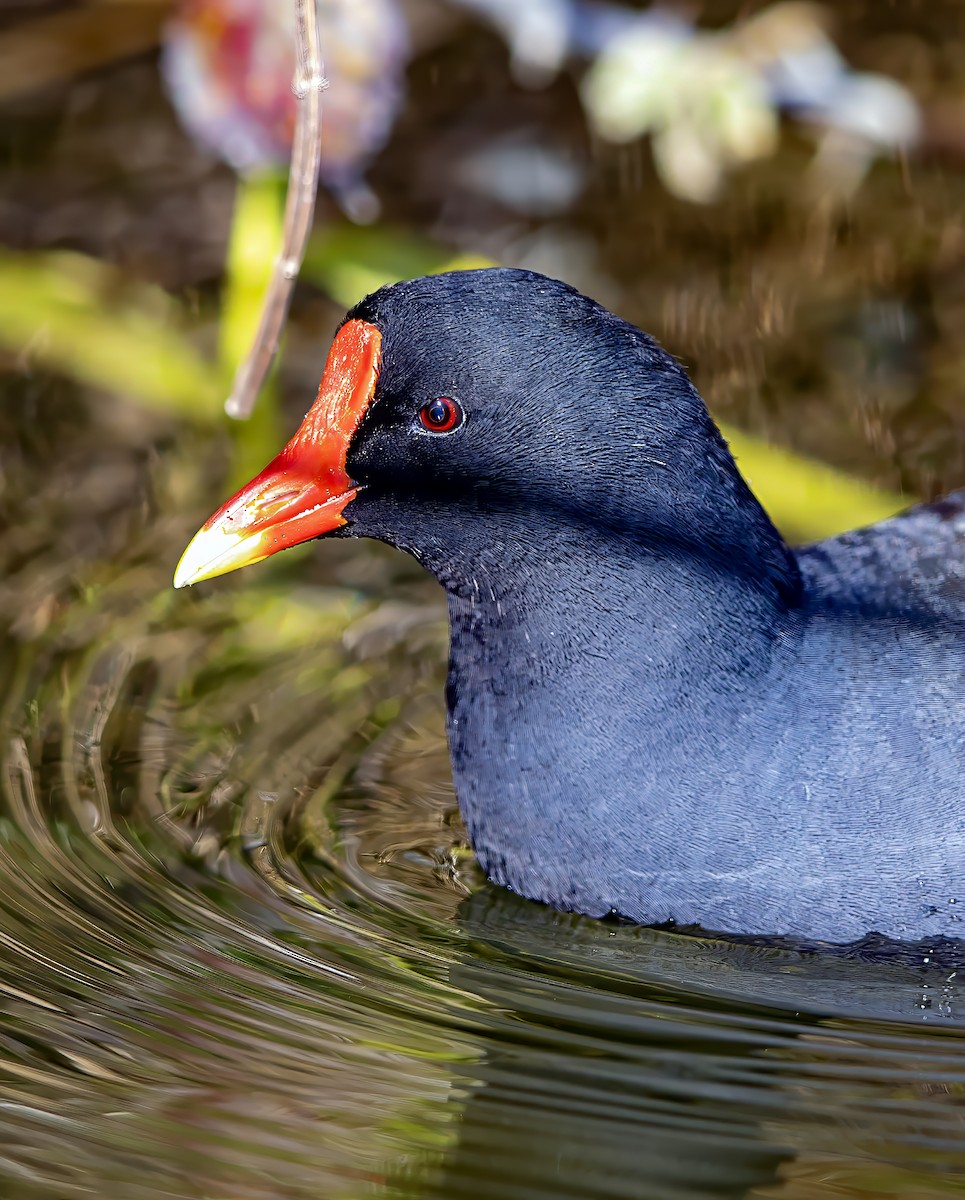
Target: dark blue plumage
655, 706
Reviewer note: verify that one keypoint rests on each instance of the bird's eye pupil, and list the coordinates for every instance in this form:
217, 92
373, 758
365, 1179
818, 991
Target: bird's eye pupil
441, 415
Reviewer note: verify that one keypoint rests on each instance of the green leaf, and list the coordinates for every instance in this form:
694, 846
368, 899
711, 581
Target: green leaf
808, 500
253, 245
349, 261
84, 318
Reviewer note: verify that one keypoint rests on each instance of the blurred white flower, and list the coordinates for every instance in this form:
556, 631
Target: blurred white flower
705, 107
709, 101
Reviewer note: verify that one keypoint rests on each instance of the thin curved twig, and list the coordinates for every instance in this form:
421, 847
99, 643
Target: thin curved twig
308, 84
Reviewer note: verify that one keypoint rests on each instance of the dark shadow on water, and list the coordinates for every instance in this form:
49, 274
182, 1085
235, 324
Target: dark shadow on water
626, 1062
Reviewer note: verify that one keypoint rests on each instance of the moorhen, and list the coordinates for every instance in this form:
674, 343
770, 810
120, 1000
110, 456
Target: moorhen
656, 708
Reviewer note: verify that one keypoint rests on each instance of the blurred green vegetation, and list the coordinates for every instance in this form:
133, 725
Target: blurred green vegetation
89, 320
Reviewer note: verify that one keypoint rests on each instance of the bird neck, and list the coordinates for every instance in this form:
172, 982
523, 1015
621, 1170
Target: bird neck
585, 666
552, 614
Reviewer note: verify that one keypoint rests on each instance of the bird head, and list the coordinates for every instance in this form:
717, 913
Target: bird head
481, 407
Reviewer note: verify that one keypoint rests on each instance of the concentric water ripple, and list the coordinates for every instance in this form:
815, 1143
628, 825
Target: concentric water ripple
243, 952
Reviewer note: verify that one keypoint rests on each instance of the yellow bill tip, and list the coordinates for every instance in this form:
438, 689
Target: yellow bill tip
216, 551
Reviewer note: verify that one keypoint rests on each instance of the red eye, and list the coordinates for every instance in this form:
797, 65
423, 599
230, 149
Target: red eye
441, 415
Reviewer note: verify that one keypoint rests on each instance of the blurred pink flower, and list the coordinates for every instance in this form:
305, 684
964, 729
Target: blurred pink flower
228, 67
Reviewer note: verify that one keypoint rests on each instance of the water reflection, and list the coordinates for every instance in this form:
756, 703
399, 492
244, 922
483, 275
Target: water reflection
626, 1055
241, 954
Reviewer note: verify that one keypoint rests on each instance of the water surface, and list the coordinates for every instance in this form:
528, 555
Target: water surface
243, 952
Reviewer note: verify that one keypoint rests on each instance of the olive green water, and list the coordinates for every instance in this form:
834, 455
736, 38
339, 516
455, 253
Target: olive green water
244, 952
